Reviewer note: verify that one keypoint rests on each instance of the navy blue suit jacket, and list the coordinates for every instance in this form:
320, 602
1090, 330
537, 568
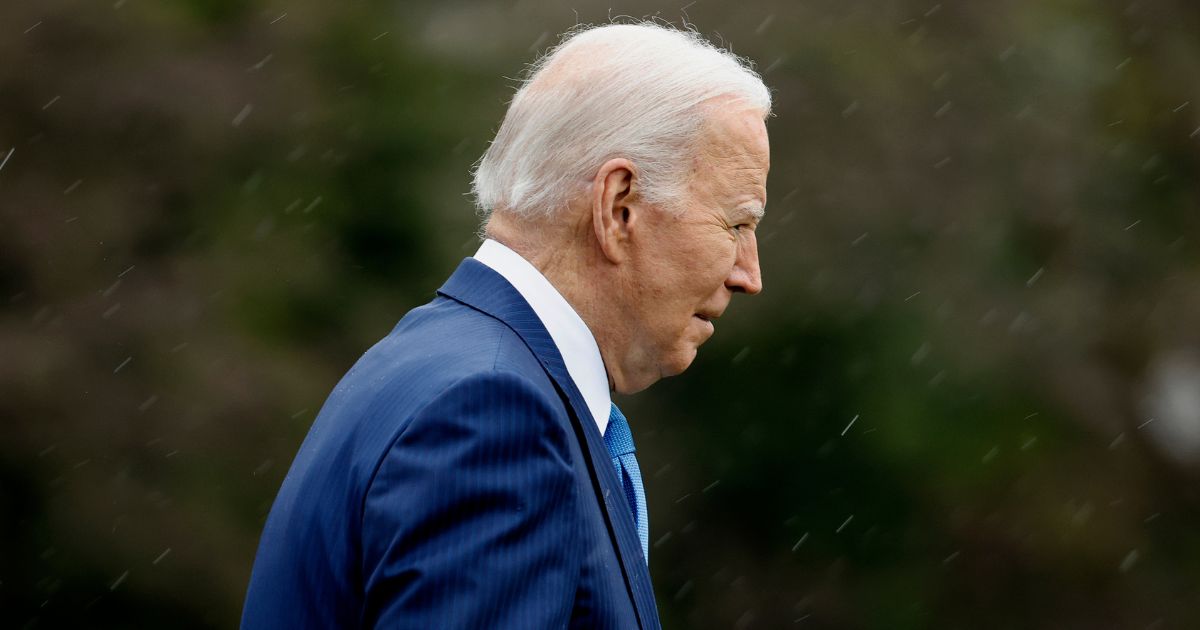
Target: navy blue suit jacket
453, 479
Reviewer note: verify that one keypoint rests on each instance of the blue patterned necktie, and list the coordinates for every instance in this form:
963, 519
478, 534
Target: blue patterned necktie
619, 441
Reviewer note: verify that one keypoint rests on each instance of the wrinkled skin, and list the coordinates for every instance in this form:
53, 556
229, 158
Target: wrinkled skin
683, 269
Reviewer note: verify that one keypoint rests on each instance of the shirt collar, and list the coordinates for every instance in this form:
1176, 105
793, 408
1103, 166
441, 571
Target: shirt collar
572, 337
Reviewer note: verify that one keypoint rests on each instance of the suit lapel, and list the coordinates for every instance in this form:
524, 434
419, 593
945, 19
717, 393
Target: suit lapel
478, 286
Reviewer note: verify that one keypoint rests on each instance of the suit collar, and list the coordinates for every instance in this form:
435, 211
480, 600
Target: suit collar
571, 335
482, 288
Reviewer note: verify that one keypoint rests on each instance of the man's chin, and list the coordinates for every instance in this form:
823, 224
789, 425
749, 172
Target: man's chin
681, 362
672, 365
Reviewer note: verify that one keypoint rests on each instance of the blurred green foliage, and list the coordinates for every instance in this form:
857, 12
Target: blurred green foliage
969, 397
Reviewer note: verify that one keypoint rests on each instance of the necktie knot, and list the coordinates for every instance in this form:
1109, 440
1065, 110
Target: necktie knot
617, 436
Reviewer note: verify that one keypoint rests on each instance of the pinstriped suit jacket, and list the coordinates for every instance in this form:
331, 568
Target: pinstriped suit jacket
453, 479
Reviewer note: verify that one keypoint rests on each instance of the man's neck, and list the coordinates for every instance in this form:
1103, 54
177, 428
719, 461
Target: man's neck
568, 262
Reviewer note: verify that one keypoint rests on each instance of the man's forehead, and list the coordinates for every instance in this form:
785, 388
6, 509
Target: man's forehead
736, 151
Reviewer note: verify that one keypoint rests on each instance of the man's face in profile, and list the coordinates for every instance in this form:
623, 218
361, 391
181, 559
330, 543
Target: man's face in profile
691, 262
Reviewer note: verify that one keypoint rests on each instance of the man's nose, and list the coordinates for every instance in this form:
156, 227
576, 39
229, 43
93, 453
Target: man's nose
746, 276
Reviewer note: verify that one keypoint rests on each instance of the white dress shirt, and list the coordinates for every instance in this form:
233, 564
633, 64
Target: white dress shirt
572, 337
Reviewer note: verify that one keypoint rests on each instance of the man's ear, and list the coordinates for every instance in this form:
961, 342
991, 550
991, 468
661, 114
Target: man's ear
614, 213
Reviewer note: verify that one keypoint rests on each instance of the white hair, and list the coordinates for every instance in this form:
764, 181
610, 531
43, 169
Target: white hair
622, 90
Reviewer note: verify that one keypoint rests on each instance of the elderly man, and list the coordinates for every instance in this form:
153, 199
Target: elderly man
471, 471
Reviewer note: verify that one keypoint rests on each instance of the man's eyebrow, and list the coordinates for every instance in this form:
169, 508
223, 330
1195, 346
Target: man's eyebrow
755, 209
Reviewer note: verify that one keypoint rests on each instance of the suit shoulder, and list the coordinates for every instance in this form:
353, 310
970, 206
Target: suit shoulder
447, 340
431, 349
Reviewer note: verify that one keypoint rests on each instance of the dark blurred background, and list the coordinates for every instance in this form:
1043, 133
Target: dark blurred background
968, 398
